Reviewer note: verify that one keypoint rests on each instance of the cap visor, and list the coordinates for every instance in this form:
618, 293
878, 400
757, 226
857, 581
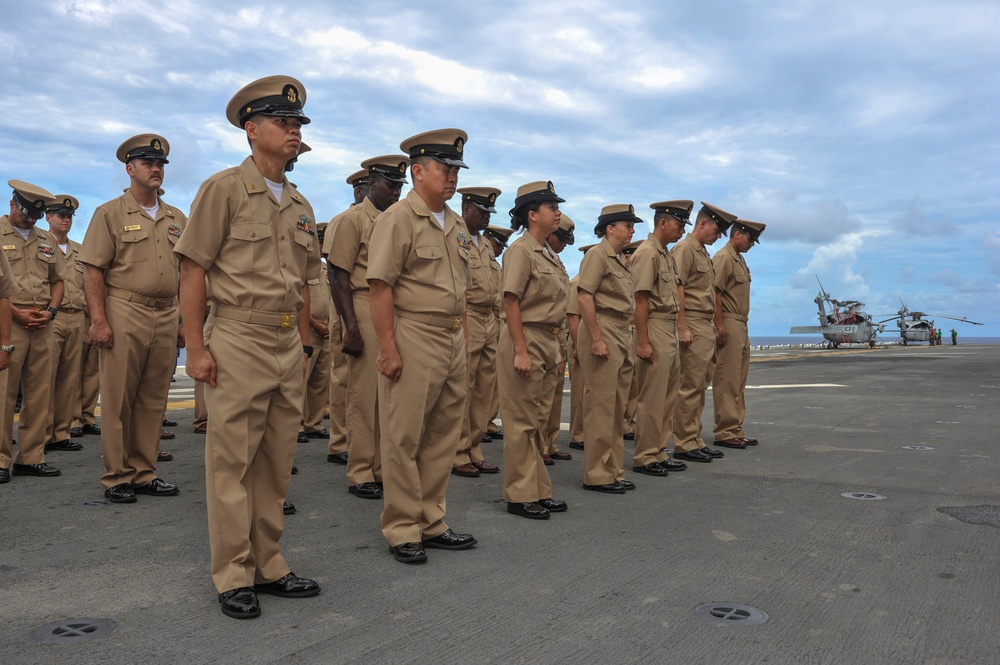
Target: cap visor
448, 161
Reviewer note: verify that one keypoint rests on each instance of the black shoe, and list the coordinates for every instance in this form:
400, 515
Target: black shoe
671, 465
560, 455
365, 491
288, 508
696, 455
157, 487
289, 586
627, 484
65, 444
610, 488
92, 429
409, 553
302, 438
713, 453
337, 458
295, 470
122, 493
576, 445
42, 470
76, 432
167, 422
449, 540
651, 469
532, 511
4, 476
486, 438
240, 603
322, 434
553, 505
629, 436
497, 434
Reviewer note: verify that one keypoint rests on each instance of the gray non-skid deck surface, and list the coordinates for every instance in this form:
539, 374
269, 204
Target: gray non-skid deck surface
615, 579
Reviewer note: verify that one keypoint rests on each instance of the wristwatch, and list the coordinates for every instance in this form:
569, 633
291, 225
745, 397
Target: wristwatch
53, 311
308, 350
9, 348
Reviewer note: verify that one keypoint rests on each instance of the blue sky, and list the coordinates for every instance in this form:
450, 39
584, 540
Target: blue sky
865, 137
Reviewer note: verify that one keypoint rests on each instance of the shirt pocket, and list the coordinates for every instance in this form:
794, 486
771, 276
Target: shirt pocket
549, 287
427, 263
251, 249
135, 247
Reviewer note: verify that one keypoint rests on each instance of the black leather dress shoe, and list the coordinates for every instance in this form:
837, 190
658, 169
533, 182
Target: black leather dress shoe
486, 438
627, 484
157, 487
409, 553
295, 470
167, 422
337, 458
42, 470
449, 540
713, 453
629, 436
576, 445
532, 511
240, 603
497, 434
365, 491
561, 455
289, 586
4, 476
651, 469
696, 455
553, 505
321, 434
302, 438
610, 488
122, 493
671, 465
76, 432
65, 444
92, 429
730, 443
288, 508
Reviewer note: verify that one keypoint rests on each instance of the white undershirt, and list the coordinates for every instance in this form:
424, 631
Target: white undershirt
475, 239
439, 216
24, 232
64, 248
275, 188
152, 211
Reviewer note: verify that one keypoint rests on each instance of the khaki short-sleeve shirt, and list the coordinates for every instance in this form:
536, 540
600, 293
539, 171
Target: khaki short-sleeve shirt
319, 296
72, 268
732, 279
258, 253
696, 274
604, 273
484, 274
532, 272
347, 238
573, 303
653, 270
33, 264
134, 250
8, 285
427, 267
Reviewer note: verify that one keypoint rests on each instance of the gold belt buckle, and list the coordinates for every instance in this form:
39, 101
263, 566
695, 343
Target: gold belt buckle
457, 324
555, 330
287, 320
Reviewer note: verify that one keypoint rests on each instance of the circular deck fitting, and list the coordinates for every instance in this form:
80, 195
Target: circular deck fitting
862, 496
71, 631
731, 614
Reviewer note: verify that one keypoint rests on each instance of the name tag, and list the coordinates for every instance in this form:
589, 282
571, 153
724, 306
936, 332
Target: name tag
10, 246
133, 227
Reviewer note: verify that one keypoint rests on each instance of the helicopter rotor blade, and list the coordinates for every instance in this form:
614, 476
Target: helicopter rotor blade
960, 319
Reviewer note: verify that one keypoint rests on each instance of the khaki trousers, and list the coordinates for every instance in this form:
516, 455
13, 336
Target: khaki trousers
420, 430
482, 382
31, 369
253, 416
555, 412
697, 368
658, 386
338, 389
605, 393
317, 392
200, 408
90, 382
575, 401
731, 369
66, 347
526, 403
364, 460
135, 383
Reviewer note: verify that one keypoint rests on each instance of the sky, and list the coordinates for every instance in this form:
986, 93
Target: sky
864, 135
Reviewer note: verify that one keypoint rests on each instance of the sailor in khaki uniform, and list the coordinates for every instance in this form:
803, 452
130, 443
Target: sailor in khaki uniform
632, 403
575, 375
482, 331
254, 236
33, 264
534, 298
732, 354
604, 289
557, 242
498, 237
696, 331
317, 393
654, 277
68, 329
130, 279
346, 249
418, 272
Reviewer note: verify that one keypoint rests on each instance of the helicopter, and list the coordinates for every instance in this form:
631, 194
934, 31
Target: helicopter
914, 328
845, 323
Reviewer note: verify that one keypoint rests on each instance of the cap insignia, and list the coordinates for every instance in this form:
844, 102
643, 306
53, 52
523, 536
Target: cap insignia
552, 188
459, 143
156, 145
402, 167
493, 198
291, 94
